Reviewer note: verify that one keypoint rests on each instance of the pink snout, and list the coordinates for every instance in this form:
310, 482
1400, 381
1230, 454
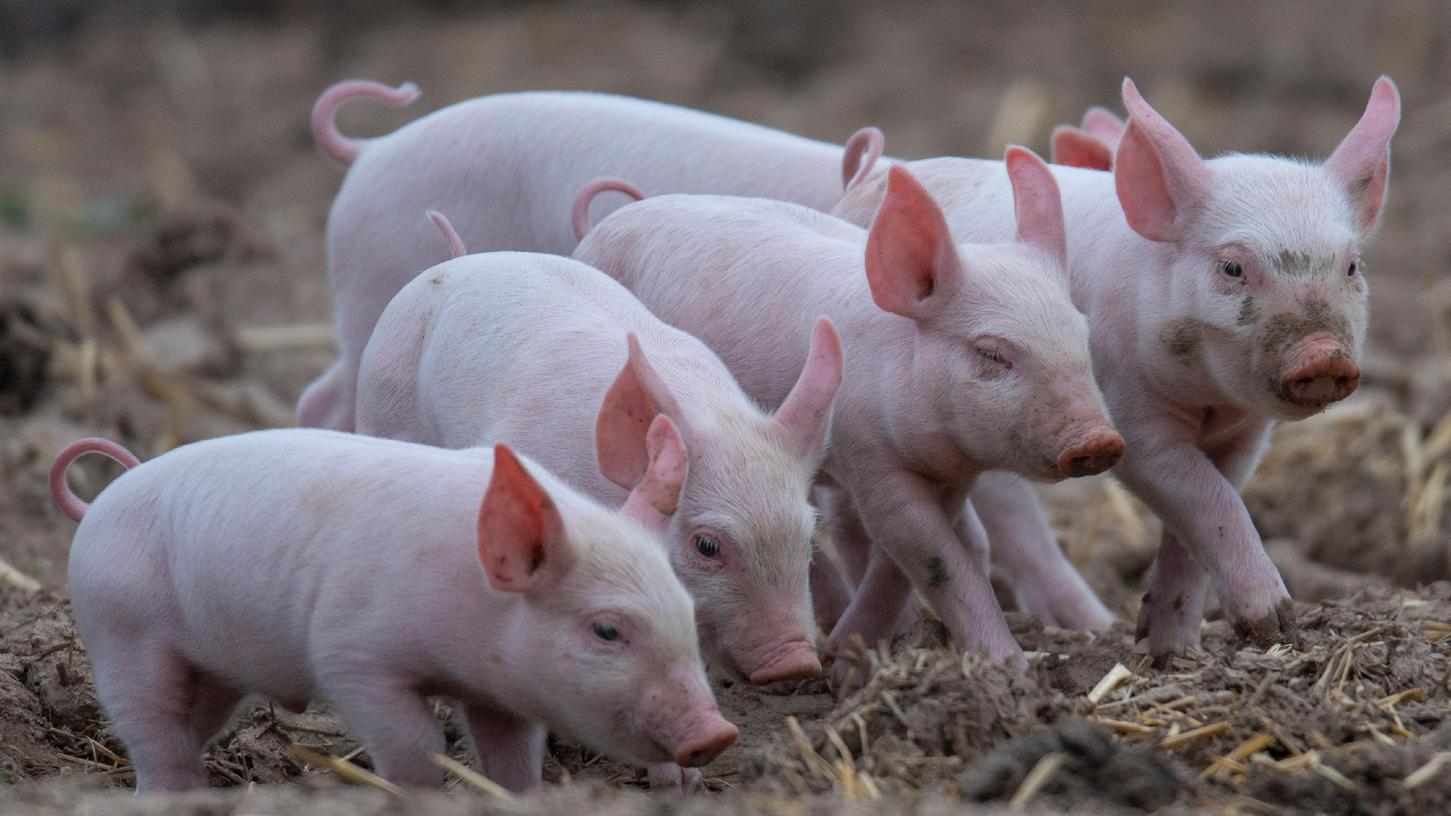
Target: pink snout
705, 741
792, 660
1092, 453
1318, 371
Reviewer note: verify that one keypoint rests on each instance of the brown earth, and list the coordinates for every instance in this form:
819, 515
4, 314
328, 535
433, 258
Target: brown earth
161, 281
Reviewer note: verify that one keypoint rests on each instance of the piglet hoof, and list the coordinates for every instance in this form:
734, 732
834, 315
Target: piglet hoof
670, 776
844, 676
1166, 630
847, 667
1275, 626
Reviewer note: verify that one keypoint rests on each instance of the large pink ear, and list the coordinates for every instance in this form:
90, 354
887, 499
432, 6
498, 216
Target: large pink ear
805, 416
1036, 202
1076, 148
521, 535
1103, 125
1362, 162
1160, 178
910, 252
653, 501
629, 407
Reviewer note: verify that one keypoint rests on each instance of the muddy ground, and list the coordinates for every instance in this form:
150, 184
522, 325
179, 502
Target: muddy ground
161, 281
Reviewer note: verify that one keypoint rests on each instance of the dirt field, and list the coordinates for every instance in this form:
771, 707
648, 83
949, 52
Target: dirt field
161, 281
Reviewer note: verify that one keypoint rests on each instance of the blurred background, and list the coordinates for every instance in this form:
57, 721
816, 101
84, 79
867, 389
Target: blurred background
162, 203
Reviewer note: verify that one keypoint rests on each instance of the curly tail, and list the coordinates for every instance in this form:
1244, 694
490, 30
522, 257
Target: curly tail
450, 235
860, 156
587, 193
324, 113
68, 502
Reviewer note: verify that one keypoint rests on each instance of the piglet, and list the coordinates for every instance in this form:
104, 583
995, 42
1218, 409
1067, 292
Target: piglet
962, 358
566, 364
370, 573
506, 167
1224, 295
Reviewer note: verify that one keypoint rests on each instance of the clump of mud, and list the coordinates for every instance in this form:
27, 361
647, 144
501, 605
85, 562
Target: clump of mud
1078, 761
1356, 704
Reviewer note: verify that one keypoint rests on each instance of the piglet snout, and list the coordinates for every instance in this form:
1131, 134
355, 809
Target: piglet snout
793, 660
711, 735
1317, 371
1092, 453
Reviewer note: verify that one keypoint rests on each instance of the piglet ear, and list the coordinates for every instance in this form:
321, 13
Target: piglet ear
521, 536
910, 252
805, 416
1161, 180
655, 499
1076, 148
1362, 162
1036, 203
630, 405
1103, 125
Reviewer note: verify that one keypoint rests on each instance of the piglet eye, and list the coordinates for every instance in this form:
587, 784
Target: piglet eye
606, 632
993, 355
1354, 267
707, 546
1231, 269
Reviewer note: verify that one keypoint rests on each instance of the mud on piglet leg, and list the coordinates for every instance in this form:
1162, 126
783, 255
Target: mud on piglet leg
1203, 510
907, 522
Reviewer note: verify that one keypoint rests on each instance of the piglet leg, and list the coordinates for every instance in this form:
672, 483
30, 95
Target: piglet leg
395, 724
829, 593
906, 520
1174, 603
510, 749
149, 695
1044, 581
1202, 509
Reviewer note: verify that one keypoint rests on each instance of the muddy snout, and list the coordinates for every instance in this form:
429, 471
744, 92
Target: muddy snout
1091, 453
1317, 371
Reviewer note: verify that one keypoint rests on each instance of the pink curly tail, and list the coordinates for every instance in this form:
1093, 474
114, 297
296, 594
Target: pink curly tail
860, 156
455, 243
68, 502
587, 193
324, 113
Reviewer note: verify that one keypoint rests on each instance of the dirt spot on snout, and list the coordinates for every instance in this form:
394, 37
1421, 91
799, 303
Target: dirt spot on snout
1285, 329
1282, 330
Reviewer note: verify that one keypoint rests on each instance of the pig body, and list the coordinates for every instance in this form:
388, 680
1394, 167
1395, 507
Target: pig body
533, 348
506, 168
932, 334
1223, 295
304, 564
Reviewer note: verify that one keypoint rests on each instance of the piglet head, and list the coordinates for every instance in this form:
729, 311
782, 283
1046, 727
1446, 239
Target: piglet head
606, 635
1002, 352
1262, 254
740, 538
